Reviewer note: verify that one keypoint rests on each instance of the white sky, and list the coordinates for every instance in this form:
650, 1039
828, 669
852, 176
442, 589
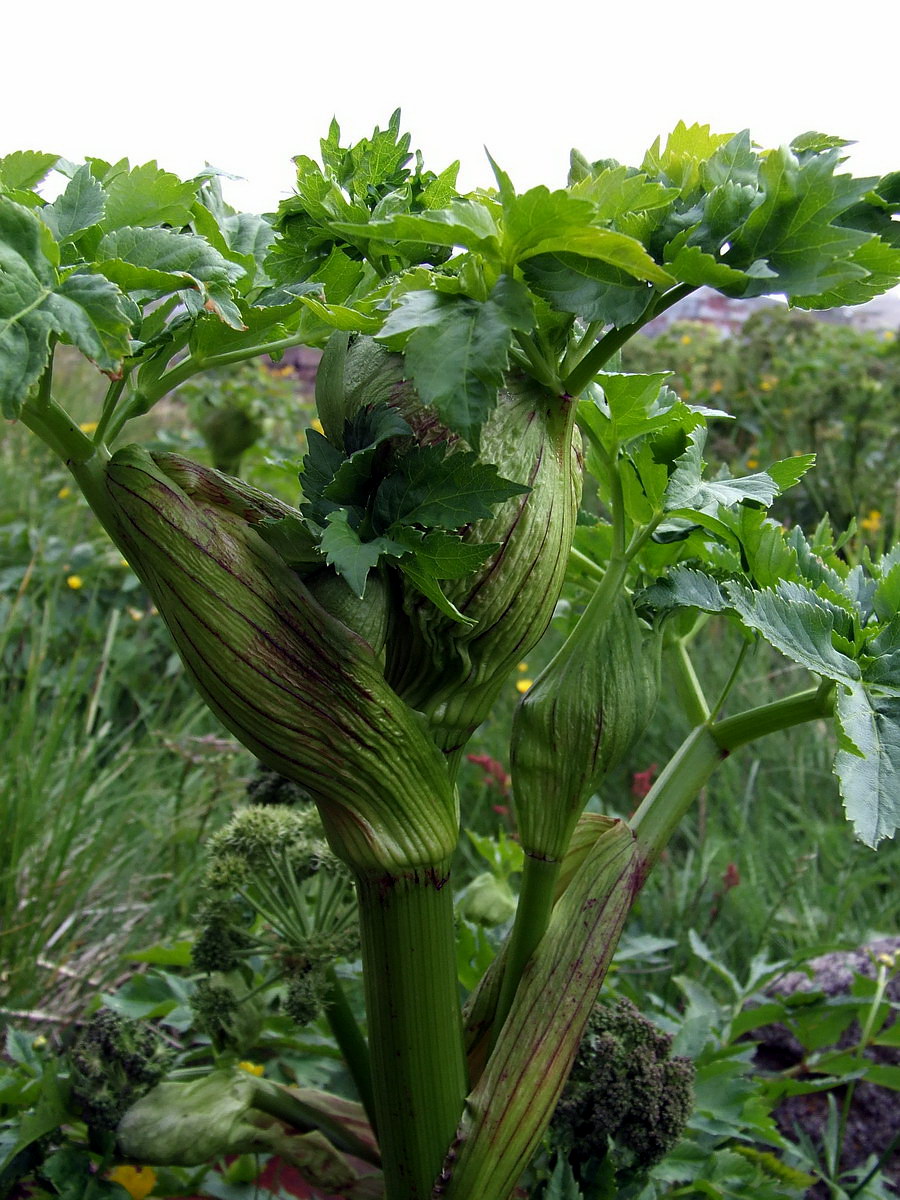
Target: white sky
247, 87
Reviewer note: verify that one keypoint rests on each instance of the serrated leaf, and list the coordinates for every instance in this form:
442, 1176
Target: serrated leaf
161, 261
792, 228
588, 287
880, 266
436, 489
458, 350
428, 585
685, 587
689, 490
686, 148
349, 555
28, 257
88, 310
147, 196
886, 599
445, 555
867, 763
24, 169
319, 465
80, 206
464, 222
798, 623
789, 471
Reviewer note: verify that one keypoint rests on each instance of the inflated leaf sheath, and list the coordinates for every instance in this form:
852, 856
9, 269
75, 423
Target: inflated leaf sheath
302, 691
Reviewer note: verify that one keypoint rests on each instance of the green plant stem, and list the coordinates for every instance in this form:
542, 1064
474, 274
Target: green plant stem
192, 365
690, 693
592, 362
351, 1043
705, 747
536, 896
415, 1026
55, 427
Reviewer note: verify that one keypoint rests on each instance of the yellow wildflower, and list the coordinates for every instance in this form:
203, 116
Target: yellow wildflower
88, 426
767, 383
64, 493
685, 339
75, 582
716, 386
872, 522
138, 1182
752, 464
522, 685
523, 666
888, 335
251, 1068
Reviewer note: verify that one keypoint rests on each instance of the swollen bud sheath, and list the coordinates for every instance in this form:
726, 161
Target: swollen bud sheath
579, 719
450, 671
299, 688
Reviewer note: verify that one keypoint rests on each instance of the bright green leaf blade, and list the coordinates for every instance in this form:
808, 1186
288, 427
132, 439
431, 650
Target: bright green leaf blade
792, 229
868, 762
88, 310
349, 555
428, 585
148, 196
685, 587
689, 490
28, 257
433, 488
588, 287
24, 169
80, 206
465, 223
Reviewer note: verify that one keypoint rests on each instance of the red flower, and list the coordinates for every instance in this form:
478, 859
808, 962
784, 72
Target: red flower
642, 781
494, 772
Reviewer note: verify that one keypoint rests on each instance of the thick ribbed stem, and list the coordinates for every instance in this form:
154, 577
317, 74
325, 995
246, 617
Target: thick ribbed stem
415, 1027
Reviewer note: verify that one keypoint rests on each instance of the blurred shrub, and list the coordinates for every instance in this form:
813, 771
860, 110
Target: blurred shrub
795, 384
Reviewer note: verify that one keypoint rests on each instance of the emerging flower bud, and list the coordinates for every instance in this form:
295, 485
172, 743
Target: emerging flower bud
579, 719
301, 690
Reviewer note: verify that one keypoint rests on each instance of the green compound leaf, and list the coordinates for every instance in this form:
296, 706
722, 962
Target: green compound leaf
161, 261
434, 488
867, 763
542, 222
457, 348
588, 287
689, 490
792, 228
465, 223
83, 309
28, 258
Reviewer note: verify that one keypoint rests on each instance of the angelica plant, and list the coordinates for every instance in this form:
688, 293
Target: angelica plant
477, 448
